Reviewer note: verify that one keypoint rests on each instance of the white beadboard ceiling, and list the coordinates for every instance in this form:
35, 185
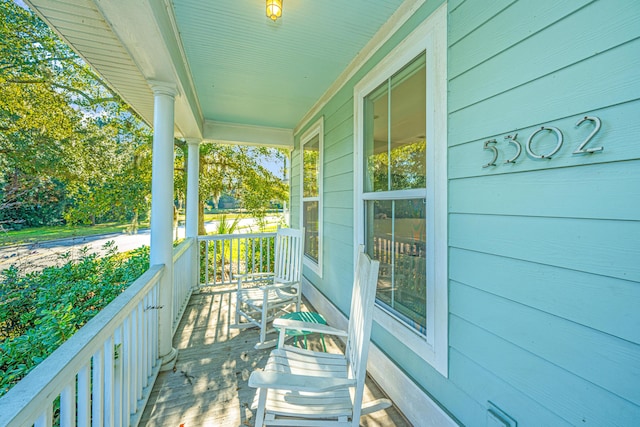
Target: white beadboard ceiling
237, 72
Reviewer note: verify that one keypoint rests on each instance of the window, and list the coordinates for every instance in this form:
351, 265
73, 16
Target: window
401, 187
311, 176
394, 168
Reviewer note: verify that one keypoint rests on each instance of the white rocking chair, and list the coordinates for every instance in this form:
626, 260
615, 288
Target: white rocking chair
305, 388
261, 296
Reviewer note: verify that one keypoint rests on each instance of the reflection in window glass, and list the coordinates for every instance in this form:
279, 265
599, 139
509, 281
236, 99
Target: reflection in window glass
395, 165
396, 236
311, 171
395, 128
310, 224
407, 160
376, 107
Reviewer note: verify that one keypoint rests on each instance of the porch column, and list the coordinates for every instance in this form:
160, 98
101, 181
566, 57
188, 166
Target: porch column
162, 212
191, 226
192, 187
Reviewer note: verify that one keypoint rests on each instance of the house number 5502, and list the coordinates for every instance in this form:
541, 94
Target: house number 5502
512, 139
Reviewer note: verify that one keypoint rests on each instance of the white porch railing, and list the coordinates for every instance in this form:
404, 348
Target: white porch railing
103, 375
185, 258
225, 256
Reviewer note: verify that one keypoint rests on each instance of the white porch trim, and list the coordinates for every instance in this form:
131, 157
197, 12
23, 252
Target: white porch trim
234, 133
317, 129
192, 210
161, 245
410, 399
193, 170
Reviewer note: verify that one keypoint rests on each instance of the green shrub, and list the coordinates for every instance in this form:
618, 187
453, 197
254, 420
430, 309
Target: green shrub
39, 311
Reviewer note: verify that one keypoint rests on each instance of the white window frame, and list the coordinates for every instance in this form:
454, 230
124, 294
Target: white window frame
316, 129
429, 37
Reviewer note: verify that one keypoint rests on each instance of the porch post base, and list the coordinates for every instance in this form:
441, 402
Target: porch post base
168, 361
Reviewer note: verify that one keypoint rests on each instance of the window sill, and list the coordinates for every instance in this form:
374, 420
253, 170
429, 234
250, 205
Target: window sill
412, 339
313, 266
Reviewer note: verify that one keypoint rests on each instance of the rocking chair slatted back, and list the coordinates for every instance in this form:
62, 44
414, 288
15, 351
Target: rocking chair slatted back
360, 322
260, 297
308, 388
288, 256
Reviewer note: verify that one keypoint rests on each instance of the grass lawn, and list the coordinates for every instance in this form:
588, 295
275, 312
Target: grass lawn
40, 234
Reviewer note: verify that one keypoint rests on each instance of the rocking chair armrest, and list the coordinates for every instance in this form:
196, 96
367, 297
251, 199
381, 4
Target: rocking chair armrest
297, 325
283, 381
278, 285
253, 279
253, 275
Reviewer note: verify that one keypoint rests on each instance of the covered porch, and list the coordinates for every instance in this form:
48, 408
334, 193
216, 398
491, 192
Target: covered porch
208, 385
154, 355
530, 264
110, 373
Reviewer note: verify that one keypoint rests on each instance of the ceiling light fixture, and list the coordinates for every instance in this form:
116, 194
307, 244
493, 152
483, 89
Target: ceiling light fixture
274, 9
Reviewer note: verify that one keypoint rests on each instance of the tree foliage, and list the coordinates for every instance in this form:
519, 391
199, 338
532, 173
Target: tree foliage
402, 168
61, 126
238, 171
71, 151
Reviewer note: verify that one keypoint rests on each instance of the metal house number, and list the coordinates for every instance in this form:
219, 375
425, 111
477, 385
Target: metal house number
512, 139
552, 152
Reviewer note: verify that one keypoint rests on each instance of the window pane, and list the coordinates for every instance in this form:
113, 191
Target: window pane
311, 164
379, 244
396, 236
310, 224
376, 136
410, 261
395, 129
408, 126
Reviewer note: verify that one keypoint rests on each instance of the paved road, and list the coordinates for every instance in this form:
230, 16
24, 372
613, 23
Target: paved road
33, 257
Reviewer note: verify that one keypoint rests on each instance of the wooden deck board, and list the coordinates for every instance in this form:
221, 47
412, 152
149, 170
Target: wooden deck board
208, 386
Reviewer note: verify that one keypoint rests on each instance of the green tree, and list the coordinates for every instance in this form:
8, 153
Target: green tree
236, 170
405, 163
63, 127
59, 123
118, 187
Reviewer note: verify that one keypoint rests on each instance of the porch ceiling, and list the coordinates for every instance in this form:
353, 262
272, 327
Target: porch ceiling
240, 77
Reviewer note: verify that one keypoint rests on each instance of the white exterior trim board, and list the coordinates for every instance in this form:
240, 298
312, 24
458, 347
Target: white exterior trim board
429, 36
235, 133
316, 129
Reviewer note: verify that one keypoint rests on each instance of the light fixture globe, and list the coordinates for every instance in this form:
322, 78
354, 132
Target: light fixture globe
274, 9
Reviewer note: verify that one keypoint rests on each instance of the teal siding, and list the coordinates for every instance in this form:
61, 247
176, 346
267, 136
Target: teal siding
481, 385
566, 346
571, 91
337, 200
294, 186
544, 254
608, 248
619, 136
516, 23
584, 298
544, 272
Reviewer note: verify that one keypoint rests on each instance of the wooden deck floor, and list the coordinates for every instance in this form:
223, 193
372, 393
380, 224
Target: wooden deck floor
208, 386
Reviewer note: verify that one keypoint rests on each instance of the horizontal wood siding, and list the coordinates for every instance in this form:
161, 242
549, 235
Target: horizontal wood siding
337, 200
544, 254
294, 186
618, 136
